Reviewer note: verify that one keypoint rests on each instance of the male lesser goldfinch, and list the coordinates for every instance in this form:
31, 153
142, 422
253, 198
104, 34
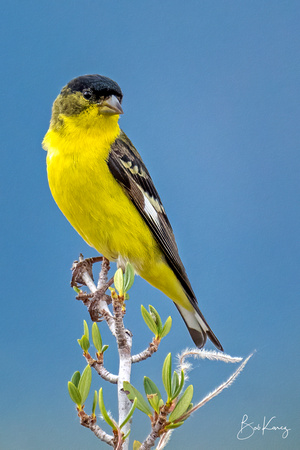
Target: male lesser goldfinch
102, 186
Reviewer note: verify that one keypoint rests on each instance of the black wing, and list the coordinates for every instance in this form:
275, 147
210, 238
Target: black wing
128, 169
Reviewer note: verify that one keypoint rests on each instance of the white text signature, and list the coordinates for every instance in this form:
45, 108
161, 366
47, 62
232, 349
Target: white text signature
248, 428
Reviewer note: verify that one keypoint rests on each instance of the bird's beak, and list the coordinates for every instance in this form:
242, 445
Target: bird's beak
110, 106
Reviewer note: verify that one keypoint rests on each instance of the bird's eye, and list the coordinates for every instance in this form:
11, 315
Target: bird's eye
87, 94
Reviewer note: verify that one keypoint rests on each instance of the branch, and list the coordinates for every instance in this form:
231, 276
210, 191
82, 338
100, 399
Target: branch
105, 374
99, 308
96, 302
102, 281
202, 354
164, 439
124, 341
101, 300
158, 426
100, 369
83, 265
159, 422
120, 332
147, 353
90, 422
218, 390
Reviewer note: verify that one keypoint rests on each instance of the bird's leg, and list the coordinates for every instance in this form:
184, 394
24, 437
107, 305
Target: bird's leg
100, 299
96, 301
102, 282
83, 265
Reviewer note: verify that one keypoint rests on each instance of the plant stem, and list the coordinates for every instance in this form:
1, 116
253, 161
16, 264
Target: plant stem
124, 341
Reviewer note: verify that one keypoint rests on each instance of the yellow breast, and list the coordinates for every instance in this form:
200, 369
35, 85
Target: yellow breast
87, 193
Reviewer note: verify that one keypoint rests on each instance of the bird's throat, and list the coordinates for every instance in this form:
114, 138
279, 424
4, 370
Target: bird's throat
96, 131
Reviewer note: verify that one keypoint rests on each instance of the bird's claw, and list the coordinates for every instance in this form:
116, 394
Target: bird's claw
83, 265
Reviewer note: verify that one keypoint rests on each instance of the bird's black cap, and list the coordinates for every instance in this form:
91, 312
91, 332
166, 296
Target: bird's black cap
97, 83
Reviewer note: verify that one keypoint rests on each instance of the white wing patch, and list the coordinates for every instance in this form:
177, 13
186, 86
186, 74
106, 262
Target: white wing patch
150, 210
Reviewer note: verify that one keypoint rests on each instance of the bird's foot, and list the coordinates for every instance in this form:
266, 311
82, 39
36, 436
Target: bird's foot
83, 265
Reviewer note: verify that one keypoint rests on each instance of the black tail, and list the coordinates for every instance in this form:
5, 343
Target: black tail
198, 327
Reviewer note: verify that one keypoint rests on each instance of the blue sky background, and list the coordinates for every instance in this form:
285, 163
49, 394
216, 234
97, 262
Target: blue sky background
211, 101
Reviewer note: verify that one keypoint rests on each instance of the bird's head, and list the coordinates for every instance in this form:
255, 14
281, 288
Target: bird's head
87, 97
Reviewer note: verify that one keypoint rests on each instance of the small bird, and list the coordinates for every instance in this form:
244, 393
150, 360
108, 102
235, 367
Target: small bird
104, 189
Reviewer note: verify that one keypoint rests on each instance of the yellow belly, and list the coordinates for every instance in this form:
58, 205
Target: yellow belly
97, 207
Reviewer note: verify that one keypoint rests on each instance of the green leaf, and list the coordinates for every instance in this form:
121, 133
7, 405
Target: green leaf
119, 281
182, 404
84, 343
167, 375
104, 413
74, 394
94, 403
189, 407
75, 378
86, 330
149, 320
128, 277
154, 402
126, 296
173, 425
167, 327
126, 435
104, 348
76, 289
129, 415
136, 445
85, 383
176, 392
131, 393
150, 387
157, 319
175, 383
96, 337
